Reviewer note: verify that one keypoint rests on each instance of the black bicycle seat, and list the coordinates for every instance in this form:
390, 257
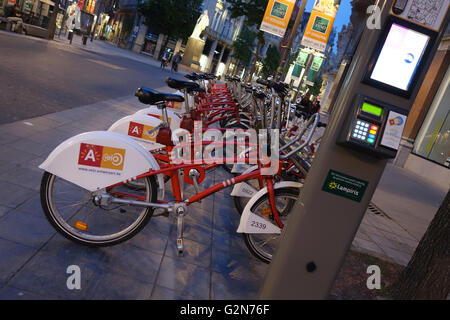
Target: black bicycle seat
150, 96
180, 84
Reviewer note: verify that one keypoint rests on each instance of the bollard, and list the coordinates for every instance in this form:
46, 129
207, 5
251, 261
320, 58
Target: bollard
70, 36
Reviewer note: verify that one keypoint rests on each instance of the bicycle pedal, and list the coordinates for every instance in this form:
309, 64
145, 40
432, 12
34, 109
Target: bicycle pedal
180, 247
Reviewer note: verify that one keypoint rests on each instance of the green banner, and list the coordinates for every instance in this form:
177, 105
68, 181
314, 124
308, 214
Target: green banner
345, 186
302, 58
316, 63
311, 76
297, 70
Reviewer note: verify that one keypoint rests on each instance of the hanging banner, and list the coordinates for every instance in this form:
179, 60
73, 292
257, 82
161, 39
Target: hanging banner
316, 63
302, 58
296, 70
320, 24
277, 16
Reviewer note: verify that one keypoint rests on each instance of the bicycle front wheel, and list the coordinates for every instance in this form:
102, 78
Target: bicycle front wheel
72, 212
264, 245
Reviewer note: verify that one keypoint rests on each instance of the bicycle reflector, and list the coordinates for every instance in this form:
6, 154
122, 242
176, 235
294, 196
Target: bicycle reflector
81, 226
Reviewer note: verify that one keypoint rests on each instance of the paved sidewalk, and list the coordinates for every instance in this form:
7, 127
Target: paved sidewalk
402, 208
217, 265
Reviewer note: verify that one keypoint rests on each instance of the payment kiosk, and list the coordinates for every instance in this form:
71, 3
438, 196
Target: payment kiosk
364, 131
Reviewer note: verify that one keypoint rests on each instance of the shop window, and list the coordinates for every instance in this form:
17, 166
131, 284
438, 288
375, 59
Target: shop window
433, 140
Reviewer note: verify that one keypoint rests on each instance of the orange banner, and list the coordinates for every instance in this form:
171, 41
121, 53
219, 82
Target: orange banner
277, 16
320, 24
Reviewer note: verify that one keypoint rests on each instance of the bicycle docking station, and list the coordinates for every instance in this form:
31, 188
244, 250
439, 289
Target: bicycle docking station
364, 131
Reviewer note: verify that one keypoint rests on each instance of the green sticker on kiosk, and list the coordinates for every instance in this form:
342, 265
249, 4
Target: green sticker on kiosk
345, 186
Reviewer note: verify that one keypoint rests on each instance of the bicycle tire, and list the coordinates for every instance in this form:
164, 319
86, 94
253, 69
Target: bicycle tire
64, 227
251, 239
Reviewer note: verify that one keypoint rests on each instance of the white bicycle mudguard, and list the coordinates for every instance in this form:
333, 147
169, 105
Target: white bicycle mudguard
137, 127
97, 159
243, 189
153, 111
252, 223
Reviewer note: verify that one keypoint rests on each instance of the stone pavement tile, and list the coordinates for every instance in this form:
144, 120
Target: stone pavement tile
369, 229
227, 288
207, 204
29, 146
35, 163
184, 278
24, 177
233, 243
18, 129
226, 219
200, 216
16, 156
387, 242
26, 229
43, 123
32, 207
14, 195
50, 138
11, 293
161, 293
399, 257
57, 117
194, 231
14, 255
46, 273
3, 211
362, 235
242, 267
7, 138
131, 261
117, 286
368, 246
71, 129
47, 276
152, 238
67, 250
194, 252
6, 165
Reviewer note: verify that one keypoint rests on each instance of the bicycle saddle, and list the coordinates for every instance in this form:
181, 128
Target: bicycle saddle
150, 96
181, 84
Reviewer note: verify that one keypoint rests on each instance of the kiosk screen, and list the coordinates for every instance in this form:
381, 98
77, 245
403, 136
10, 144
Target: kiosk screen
400, 56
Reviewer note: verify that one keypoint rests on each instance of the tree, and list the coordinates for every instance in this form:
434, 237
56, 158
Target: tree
427, 274
271, 61
174, 18
243, 46
253, 10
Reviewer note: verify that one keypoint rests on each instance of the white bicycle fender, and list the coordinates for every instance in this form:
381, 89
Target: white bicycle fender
136, 126
252, 223
243, 189
97, 159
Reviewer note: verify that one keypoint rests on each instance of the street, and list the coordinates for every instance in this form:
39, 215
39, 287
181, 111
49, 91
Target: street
40, 77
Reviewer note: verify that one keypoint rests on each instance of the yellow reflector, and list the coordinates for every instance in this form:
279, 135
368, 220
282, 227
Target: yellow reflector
81, 226
266, 211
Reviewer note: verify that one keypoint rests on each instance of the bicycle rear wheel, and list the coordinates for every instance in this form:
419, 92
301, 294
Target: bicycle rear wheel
71, 210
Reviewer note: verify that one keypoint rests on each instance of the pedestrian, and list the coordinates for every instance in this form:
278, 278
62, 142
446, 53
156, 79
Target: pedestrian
165, 58
175, 61
15, 17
